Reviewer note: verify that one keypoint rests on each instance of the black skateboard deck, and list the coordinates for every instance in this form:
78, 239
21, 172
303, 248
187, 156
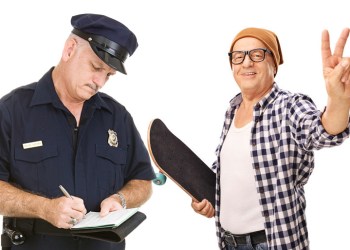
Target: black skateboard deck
178, 162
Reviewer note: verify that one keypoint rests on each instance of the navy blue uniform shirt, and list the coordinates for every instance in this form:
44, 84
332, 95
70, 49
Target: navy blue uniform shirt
42, 148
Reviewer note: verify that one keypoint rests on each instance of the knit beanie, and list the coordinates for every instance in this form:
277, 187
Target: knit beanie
267, 37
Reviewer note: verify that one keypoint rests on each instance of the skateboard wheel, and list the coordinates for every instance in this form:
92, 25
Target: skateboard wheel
160, 179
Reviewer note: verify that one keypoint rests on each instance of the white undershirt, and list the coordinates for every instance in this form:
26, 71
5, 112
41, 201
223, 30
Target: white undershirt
240, 211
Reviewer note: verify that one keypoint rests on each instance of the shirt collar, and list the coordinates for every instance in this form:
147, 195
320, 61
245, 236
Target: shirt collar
268, 97
45, 93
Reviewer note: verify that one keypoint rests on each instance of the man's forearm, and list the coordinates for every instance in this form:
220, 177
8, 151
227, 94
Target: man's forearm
15, 202
335, 119
137, 192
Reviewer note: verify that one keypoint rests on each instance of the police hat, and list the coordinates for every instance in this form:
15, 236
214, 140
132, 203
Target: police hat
111, 40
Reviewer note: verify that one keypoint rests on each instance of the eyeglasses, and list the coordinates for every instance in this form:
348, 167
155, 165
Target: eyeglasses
256, 55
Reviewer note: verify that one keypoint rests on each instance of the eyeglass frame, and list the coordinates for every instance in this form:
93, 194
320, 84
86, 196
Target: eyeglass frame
247, 52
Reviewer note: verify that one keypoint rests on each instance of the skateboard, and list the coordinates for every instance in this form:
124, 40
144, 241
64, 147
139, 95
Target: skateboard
178, 162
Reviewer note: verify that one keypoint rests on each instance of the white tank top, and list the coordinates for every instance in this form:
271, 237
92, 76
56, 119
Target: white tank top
240, 211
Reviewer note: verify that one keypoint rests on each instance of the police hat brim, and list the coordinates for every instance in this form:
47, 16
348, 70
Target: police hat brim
109, 59
108, 51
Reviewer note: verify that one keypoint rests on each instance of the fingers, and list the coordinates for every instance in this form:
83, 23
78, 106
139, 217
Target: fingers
77, 210
346, 70
329, 59
106, 209
338, 80
78, 205
73, 221
204, 208
325, 47
66, 212
110, 204
339, 74
339, 47
68, 222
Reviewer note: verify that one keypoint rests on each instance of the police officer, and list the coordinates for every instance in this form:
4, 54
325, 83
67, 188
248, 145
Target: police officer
62, 131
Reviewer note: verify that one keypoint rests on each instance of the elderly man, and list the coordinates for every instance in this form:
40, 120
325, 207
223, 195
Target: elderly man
265, 156
62, 131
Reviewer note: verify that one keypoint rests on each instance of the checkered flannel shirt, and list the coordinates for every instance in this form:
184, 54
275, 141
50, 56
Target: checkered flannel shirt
287, 128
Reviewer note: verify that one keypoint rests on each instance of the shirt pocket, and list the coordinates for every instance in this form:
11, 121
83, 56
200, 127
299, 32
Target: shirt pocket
35, 167
110, 162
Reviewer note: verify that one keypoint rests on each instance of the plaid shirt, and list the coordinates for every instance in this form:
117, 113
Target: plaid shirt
287, 128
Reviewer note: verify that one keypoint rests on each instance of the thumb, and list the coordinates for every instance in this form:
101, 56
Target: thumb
104, 211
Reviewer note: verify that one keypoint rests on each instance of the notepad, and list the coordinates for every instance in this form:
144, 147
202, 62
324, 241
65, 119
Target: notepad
112, 220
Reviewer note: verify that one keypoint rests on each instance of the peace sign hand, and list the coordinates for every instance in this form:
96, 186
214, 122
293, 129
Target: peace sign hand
336, 68
336, 71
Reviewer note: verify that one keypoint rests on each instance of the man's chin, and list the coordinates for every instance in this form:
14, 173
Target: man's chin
89, 94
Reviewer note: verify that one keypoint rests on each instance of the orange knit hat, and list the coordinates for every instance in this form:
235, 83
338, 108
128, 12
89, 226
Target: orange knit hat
267, 37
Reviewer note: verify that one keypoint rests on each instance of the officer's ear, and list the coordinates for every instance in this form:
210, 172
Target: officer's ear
69, 47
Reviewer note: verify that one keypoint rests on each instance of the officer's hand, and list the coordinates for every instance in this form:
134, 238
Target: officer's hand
204, 208
65, 212
112, 203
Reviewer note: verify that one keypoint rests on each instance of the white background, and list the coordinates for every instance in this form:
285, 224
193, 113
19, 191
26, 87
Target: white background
180, 73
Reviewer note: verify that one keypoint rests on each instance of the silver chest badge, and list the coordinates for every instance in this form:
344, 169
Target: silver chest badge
112, 138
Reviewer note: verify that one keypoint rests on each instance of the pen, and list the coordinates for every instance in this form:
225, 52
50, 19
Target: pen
65, 192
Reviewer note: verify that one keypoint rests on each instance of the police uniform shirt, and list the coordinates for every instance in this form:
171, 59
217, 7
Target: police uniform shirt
41, 147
